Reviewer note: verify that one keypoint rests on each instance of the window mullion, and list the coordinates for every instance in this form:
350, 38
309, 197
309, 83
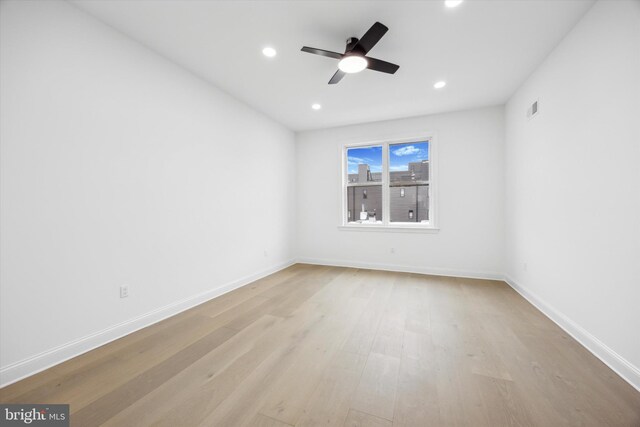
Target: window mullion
345, 187
386, 194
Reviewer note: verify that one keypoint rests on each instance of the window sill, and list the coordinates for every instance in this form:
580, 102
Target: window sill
390, 228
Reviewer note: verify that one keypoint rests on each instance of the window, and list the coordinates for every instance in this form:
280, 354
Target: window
389, 185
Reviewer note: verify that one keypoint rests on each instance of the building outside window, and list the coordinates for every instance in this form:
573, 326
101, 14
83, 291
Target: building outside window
389, 184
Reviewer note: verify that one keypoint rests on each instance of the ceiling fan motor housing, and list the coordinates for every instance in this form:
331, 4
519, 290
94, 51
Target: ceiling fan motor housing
351, 42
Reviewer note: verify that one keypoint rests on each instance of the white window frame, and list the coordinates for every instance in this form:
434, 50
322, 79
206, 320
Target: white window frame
387, 225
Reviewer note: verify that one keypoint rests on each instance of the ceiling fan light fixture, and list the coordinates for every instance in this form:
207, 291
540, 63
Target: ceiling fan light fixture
352, 64
269, 52
353, 60
452, 3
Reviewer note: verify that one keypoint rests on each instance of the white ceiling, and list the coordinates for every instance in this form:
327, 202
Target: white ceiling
484, 49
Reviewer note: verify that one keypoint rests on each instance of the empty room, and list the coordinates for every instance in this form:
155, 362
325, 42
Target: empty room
320, 213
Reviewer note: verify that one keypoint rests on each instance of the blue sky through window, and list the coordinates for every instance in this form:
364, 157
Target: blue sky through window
371, 156
400, 155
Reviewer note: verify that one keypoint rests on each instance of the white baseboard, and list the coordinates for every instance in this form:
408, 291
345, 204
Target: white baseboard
405, 269
617, 363
39, 362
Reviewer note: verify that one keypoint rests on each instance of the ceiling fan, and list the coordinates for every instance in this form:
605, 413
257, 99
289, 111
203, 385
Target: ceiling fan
354, 58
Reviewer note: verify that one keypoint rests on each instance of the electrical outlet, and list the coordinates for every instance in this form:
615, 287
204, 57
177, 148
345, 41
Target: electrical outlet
524, 266
266, 254
124, 291
392, 250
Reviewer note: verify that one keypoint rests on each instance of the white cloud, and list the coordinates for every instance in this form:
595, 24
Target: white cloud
359, 160
406, 151
398, 168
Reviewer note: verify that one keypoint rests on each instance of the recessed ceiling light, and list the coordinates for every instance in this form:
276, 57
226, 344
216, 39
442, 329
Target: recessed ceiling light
316, 106
440, 84
452, 3
352, 64
269, 52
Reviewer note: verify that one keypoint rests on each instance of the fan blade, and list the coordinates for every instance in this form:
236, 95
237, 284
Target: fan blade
327, 53
370, 38
337, 77
382, 66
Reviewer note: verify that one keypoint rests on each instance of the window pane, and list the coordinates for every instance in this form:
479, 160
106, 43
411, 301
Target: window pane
410, 203
364, 203
364, 164
409, 162
409, 182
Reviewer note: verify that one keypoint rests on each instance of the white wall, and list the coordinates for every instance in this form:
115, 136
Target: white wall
120, 167
470, 203
573, 185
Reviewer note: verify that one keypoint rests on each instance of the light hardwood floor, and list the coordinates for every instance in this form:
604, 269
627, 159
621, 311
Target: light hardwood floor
328, 346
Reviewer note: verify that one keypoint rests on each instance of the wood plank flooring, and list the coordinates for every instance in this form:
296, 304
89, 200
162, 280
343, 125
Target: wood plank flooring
329, 346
